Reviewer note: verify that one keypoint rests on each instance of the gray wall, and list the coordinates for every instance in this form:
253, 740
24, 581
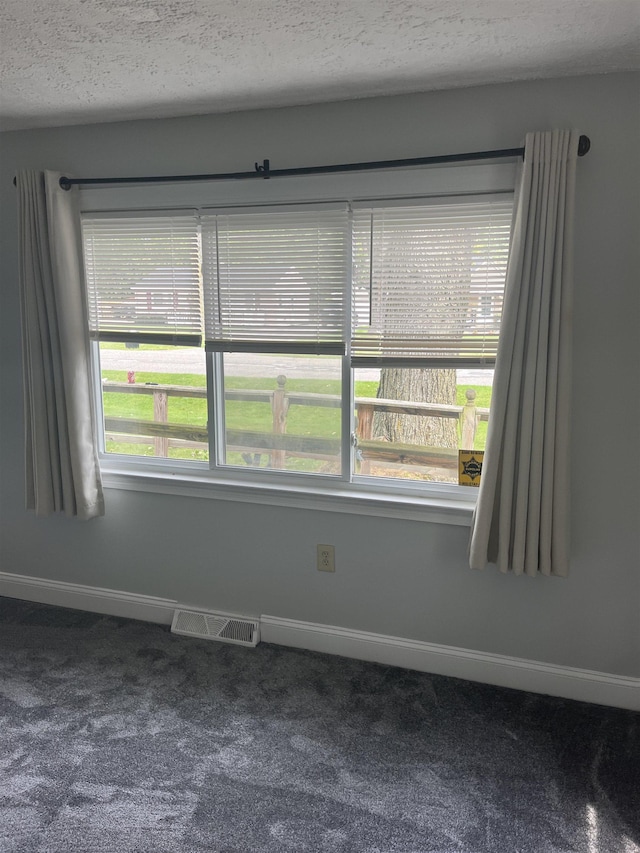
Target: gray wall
395, 577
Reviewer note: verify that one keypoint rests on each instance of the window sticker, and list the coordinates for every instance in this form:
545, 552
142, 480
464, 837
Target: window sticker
470, 467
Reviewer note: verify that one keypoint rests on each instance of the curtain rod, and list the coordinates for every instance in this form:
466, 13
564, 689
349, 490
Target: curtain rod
264, 170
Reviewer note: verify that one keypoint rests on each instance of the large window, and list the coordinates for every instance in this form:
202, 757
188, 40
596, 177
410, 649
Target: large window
319, 343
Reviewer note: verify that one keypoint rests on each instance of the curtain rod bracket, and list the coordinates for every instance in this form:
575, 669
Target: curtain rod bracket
65, 183
263, 170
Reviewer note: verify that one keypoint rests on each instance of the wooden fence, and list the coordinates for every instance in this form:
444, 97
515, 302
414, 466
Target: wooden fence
278, 444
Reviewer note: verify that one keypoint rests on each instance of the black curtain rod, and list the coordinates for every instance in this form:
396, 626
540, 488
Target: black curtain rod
264, 171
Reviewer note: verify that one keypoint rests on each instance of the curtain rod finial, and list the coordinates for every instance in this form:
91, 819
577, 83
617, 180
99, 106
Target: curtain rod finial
584, 144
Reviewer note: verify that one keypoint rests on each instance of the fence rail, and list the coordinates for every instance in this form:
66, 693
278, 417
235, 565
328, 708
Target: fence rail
279, 444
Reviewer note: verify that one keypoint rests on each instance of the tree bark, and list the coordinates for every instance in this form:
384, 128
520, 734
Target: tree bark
420, 385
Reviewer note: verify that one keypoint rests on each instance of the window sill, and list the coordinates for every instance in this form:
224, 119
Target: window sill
436, 509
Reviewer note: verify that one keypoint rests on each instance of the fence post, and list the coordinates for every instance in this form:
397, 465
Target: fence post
468, 421
279, 409
364, 431
160, 405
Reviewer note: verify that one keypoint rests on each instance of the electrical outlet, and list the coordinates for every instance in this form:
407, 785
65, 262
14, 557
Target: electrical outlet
326, 558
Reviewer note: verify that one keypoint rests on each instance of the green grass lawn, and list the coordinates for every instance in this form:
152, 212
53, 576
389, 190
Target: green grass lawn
256, 416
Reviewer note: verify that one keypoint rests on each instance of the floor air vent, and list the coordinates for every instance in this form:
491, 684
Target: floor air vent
216, 626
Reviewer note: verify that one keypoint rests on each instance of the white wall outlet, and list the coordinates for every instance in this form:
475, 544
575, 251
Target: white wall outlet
326, 558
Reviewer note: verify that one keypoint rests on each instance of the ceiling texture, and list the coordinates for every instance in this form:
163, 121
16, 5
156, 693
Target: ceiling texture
84, 61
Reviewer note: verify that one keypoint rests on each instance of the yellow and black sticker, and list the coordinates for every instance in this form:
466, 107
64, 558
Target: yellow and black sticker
470, 467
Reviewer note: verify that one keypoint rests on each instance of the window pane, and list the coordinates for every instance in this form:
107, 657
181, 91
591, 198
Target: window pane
154, 400
411, 422
283, 412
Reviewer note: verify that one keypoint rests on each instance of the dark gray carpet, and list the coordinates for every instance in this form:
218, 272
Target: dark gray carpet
117, 736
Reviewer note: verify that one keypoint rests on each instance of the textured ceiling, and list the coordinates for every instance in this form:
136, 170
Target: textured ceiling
81, 61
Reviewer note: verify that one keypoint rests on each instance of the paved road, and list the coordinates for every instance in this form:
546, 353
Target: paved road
190, 360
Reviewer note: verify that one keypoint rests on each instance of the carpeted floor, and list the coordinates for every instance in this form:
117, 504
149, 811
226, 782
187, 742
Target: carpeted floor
117, 736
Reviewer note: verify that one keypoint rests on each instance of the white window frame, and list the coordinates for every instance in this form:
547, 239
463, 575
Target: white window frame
350, 493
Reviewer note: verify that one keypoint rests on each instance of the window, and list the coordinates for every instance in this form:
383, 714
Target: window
421, 274
318, 345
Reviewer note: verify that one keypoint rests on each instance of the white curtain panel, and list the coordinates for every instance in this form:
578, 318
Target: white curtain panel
521, 521
62, 470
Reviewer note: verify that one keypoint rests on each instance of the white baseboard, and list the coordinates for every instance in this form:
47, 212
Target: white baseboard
536, 677
94, 599
584, 685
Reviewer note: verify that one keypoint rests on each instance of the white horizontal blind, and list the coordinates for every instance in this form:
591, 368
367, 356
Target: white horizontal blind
275, 279
143, 278
429, 282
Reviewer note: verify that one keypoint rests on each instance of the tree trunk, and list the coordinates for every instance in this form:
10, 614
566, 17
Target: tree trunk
420, 385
